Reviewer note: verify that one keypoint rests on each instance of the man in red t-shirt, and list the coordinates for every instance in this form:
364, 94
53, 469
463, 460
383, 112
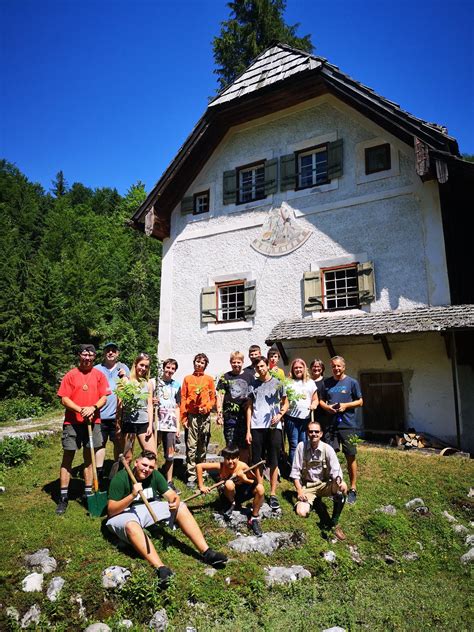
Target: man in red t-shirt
83, 392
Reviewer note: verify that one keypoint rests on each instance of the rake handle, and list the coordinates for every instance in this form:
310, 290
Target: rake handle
95, 478
223, 482
134, 481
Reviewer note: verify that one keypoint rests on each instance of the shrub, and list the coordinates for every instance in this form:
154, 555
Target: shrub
14, 451
19, 407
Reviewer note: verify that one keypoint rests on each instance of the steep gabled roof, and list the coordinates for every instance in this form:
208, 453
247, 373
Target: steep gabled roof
281, 76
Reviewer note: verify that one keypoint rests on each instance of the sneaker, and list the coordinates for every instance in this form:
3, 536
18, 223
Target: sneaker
339, 533
274, 504
171, 486
164, 575
254, 525
61, 507
351, 496
214, 558
227, 514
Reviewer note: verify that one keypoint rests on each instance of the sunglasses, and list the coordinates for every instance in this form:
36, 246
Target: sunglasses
314, 431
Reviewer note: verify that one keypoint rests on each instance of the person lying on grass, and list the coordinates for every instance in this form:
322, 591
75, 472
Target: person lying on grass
237, 491
128, 515
316, 472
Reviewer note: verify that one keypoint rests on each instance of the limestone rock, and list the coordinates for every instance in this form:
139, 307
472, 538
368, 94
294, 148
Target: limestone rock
238, 519
461, 529
389, 559
422, 511
469, 541
468, 557
411, 556
210, 572
415, 502
329, 556
54, 588
285, 574
2, 489
335, 629
189, 628
470, 493
77, 598
125, 624
98, 627
12, 613
159, 621
449, 517
115, 576
387, 509
268, 543
32, 616
41, 561
355, 555
32, 582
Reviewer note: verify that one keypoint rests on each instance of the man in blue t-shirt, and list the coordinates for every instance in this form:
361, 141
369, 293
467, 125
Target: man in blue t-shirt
343, 396
113, 371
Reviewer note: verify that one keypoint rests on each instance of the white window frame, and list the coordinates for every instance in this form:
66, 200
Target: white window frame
199, 198
307, 144
225, 288
341, 296
254, 184
313, 152
233, 324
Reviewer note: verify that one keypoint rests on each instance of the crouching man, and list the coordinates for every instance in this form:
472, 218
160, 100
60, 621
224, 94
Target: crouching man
128, 516
316, 473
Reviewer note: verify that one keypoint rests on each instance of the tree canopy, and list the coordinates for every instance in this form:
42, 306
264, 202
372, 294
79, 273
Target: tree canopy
253, 26
71, 272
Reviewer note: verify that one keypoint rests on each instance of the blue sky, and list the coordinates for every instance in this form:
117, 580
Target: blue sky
108, 90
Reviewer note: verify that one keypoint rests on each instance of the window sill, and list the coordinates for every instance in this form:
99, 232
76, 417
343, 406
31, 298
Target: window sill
235, 325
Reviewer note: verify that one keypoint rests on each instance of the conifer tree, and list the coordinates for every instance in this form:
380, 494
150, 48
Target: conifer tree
253, 26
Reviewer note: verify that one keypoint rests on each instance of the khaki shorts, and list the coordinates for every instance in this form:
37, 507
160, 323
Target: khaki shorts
76, 436
315, 490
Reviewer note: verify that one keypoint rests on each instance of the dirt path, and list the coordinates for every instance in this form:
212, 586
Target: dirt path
24, 428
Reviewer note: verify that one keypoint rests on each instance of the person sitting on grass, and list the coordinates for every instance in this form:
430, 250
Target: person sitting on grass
316, 472
129, 516
235, 492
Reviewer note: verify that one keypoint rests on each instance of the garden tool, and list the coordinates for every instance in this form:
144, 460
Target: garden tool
134, 481
97, 501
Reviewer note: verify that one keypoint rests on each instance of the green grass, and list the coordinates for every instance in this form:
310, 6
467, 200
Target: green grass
432, 593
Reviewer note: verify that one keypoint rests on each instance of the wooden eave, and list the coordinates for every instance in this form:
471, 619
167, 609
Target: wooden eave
218, 119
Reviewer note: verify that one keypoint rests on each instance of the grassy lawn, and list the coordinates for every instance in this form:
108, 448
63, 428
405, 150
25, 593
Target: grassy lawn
433, 592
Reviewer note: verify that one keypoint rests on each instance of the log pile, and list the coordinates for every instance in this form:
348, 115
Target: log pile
413, 439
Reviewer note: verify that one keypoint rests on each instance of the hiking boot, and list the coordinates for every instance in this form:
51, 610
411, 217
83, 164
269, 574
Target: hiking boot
274, 504
164, 575
227, 514
254, 525
351, 496
61, 507
171, 486
214, 558
339, 533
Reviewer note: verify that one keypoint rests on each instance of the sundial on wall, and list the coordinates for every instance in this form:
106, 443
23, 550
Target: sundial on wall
280, 234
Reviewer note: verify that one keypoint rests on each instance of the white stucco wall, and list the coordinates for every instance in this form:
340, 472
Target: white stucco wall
393, 221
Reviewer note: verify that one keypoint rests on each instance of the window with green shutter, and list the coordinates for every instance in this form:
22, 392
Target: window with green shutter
250, 182
228, 301
312, 166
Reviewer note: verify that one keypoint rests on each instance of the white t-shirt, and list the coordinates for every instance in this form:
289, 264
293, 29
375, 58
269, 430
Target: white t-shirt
300, 407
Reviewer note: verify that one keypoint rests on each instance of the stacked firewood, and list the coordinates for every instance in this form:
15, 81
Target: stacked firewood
413, 439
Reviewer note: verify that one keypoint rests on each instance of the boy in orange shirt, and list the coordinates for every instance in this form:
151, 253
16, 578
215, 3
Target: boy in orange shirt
198, 398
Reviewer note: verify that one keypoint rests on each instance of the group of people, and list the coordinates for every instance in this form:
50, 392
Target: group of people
256, 405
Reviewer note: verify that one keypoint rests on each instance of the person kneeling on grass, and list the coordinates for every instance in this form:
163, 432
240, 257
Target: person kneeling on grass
128, 516
316, 472
235, 492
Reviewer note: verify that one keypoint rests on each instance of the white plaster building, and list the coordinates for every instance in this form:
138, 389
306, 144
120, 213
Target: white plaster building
305, 210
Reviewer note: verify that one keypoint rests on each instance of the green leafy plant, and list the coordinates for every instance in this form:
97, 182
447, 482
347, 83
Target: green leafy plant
292, 395
138, 593
20, 407
354, 440
130, 394
14, 451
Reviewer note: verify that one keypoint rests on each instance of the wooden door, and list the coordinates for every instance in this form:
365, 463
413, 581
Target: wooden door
384, 403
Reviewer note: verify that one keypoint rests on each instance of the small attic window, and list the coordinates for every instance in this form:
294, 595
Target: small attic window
377, 159
201, 203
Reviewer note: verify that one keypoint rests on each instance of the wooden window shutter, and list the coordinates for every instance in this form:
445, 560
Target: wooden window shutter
287, 172
229, 187
312, 291
335, 159
365, 272
187, 205
250, 288
208, 304
271, 176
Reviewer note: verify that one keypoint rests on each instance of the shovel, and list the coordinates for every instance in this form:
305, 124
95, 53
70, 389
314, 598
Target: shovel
97, 501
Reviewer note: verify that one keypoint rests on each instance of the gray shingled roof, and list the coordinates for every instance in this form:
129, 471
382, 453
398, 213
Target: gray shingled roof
421, 319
